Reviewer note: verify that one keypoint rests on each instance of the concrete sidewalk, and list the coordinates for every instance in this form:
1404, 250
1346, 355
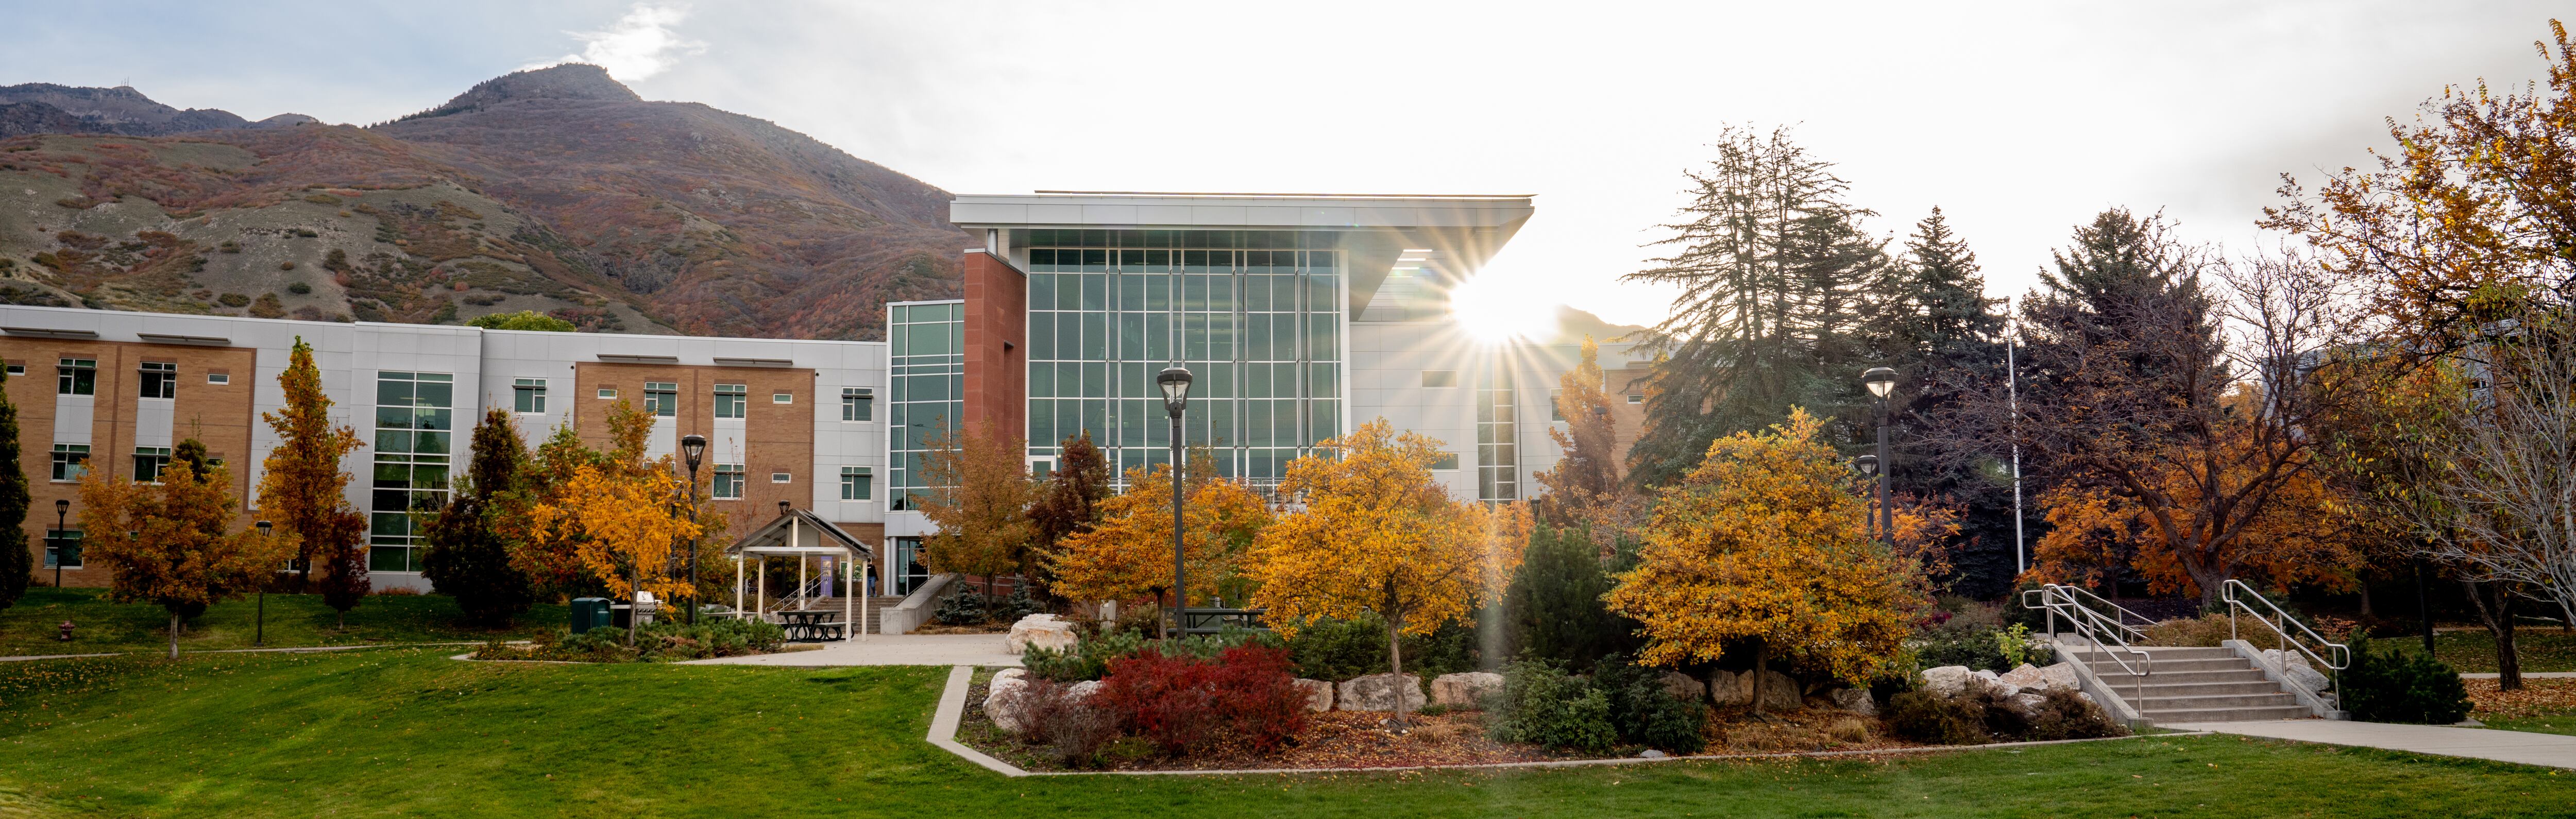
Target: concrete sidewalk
891, 649
2551, 750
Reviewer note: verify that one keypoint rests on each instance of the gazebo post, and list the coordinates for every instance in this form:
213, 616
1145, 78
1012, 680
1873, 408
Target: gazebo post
737, 586
760, 601
851, 630
803, 602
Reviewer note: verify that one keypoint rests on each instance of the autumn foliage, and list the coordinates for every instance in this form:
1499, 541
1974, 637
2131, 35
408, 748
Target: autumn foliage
302, 488
623, 518
1128, 554
1762, 547
172, 543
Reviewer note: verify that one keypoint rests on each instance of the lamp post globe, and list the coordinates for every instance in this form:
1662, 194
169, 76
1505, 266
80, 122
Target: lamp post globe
1175, 382
1881, 382
692, 448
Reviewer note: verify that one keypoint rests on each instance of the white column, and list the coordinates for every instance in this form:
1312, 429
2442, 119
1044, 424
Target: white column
850, 623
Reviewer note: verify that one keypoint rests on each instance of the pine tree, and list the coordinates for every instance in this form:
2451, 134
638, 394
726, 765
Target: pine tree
468, 554
303, 488
16, 563
1932, 322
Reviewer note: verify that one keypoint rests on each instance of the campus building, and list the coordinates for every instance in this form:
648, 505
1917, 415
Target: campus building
1300, 316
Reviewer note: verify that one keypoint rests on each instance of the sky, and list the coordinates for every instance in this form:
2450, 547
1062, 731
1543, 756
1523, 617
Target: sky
2020, 121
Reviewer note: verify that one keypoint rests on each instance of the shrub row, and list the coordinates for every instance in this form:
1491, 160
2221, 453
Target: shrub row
658, 641
1981, 717
1621, 703
1243, 697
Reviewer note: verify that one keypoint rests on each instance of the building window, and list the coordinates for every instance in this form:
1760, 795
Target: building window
607, 393
728, 485
149, 461
858, 483
1448, 462
782, 477
731, 400
858, 404
76, 376
925, 396
219, 378
530, 394
63, 548
662, 398
414, 425
17, 370
782, 398
1439, 379
1497, 436
1555, 406
1636, 398
71, 461
160, 379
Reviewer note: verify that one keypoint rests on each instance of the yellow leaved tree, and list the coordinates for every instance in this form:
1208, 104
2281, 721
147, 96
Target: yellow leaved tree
1764, 544
1128, 554
622, 516
1372, 532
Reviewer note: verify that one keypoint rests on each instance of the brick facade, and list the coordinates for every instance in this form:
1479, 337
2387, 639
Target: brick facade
996, 335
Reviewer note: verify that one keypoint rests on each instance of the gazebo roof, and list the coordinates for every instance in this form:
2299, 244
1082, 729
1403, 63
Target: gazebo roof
800, 532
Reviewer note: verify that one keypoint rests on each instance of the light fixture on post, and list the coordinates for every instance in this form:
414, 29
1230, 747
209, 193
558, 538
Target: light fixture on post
1175, 382
692, 448
62, 512
1868, 466
1881, 382
259, 633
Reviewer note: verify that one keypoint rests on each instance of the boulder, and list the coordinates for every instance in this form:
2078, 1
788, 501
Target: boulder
1319, 694
1043, 631
1466, 689
1946, 681
2025, 676
2061, 675
1683, 688
2003, 689
1082, 691
1378, 692
1729, 688
1855, 700
2025, 704
998, 691
2302, 676
1779, 692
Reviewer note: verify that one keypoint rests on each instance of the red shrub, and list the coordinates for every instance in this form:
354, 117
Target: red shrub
1184, 703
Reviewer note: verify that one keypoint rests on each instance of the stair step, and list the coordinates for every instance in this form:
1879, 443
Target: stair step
2276, 699
2157, 688
2159, 676
2158, 665
2171, 716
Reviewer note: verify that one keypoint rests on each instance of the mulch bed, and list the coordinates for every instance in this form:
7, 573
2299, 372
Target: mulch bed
935, 628
1359, 740
2539, 697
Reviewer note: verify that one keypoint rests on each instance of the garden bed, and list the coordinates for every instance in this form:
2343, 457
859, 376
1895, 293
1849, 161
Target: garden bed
1358, 740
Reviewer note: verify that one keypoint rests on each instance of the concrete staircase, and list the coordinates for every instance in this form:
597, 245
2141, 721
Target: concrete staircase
2193, 685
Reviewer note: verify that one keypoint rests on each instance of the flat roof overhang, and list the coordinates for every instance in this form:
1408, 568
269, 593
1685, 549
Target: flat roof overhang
1462, 231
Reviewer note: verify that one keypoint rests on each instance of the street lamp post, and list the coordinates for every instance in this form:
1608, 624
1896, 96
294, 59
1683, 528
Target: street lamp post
62, 512
694, 447
1868, 466
1175, 382
1881, 382
259, 633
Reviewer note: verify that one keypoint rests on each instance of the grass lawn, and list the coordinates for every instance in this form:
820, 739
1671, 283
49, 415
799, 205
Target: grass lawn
2546, 648
293, 620
401, 732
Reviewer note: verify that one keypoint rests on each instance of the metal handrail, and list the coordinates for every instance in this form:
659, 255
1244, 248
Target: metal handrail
2096, 628
2341, 653
2119, 619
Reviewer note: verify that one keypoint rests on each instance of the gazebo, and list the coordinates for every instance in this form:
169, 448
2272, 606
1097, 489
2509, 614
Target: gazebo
799, 534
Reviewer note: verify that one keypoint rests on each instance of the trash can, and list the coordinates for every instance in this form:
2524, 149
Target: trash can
589, 613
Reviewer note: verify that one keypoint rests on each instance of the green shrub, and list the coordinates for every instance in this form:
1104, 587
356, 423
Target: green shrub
1961, 642
2395, 686
1087, 659
1337, 650
2017, 648
2063, 716
964, 608
299, 288
1018, 605
1542, 705
1646, 713
1923, 716
1553, 608
233, 300
658, 641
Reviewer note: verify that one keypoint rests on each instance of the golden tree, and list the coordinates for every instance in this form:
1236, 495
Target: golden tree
1128, 554
619, 517
169, 543
1764, 543
1373, 532
302, 487
979, 497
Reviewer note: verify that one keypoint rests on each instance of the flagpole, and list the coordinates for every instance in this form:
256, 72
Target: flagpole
2012, 382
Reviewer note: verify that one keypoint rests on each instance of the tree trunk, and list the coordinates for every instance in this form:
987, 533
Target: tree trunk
1395, 662
1761, 670
174, 635
2498, 615
2361, 580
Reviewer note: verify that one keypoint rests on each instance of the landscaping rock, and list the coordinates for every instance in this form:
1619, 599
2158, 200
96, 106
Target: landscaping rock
2004, 689
1855, 700
1946, 681
2296, 668
1779, 692
2061, 675
1729, 688
1041, 630
1378, 692
1651, 753
1684, 688
1319, 694
2025, 676
1082, 691
997, 691
1466, 689
2025, 704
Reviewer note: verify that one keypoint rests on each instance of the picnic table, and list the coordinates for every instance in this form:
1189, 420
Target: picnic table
811, 626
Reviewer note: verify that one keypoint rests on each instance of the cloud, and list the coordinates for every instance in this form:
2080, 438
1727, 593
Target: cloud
641, 44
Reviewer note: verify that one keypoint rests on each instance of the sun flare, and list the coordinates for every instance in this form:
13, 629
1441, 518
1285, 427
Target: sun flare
1494, 310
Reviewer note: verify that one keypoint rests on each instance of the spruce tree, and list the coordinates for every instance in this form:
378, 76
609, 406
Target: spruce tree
468, 552
1932, 322
17, 565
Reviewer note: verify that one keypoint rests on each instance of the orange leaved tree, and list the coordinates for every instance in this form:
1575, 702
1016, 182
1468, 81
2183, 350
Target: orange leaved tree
170, 543
1764, 543
1373, 532
622, 517
302, 488
1128, 554
979, 497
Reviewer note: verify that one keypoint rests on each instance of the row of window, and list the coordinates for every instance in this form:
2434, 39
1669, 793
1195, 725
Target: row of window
858, 483
156, 379
662, 398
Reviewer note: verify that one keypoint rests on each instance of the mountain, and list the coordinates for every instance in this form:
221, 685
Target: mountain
557, 190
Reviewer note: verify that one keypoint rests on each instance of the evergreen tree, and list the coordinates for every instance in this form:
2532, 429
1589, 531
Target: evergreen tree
469, 550
17, 564
1931, 321
1772, 265
1068, 504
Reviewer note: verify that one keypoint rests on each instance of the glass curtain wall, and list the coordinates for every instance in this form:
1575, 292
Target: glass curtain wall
927, 396
1497, 434
413, 425
1255, 315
